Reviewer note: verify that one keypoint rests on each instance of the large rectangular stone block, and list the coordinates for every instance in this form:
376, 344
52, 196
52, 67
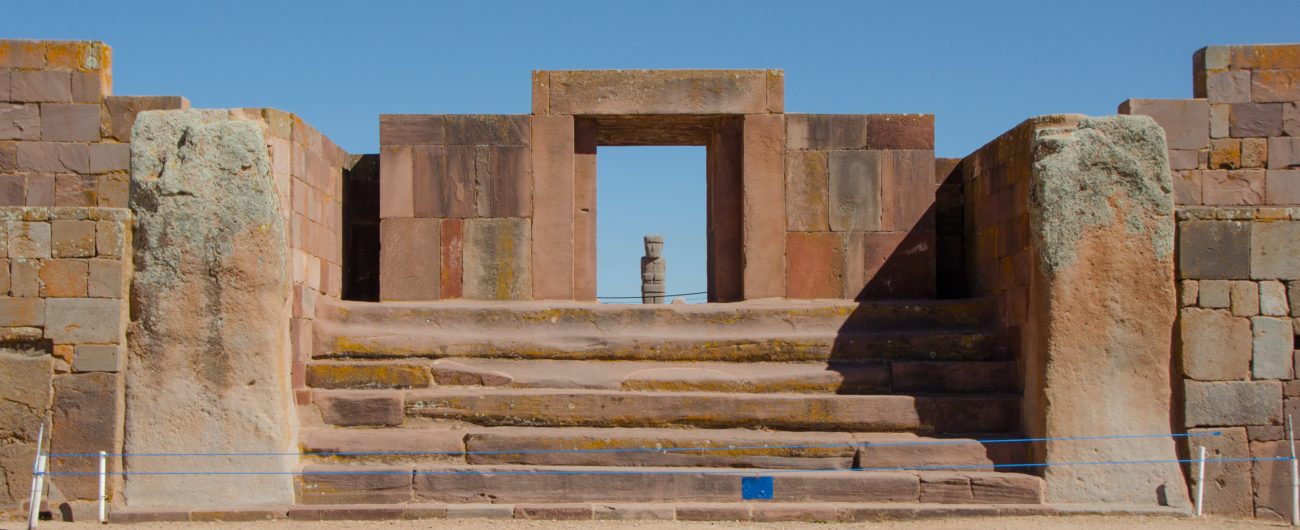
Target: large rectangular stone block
24, 398
860, 131
71, 122
1255, 120
20, 122
486, 129
1218, 250
553, 206
584, 209
396, 182
1233, 403
898, 265
1274, 339
653, 92
82, 320
1275, 85
54, 157
443, 180
1283, 152
411, 129
855, 183
807, 194
907, 190
814, 265
503, 181
763, 152
451, 253
497, 259
1227, 484
86, 412
1283, 186
1275, 251
408, 260
1215, 345
40, 85
120, 112
1186, 121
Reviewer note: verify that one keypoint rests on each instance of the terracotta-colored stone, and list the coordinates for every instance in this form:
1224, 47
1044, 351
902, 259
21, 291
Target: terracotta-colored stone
897, 265
907, 190
1233, 403
1245, 299
1187, 187
396, 182
1274, 251
52, 157
72, 239
367, 376
1255, 120
87, 410
814, 265
656, 92
451, 255
443, 181
409, 262
1215, 345
63, 278
554, 512
860, 131
20, 122
584, 214
81, 320
75, 190
356, 485
105, 158
75, 122
1270, 480
553, 206
411, 129
1254, 153
486, 129
1283, 152
1275, 85
1228, 87
1234, 188
40, 86
1282, 186
1225, 153
1185, 121
763, 162
120, 112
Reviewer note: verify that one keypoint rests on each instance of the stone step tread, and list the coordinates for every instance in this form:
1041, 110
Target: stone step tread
758, 511
810, 377
952, 413
602, 447
347, 484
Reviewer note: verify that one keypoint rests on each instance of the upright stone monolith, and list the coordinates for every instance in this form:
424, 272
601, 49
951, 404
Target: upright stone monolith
654, 271
209, 353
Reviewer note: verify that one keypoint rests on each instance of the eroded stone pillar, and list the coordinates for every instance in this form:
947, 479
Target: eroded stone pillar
209, 358
654, 271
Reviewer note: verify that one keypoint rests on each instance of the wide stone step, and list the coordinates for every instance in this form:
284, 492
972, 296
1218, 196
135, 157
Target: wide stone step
648, 447
780, 331
834, 377
394, 484
947, 414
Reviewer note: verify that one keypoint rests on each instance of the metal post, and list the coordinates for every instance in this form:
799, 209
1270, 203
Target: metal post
1200, 482
35, 511
103, 487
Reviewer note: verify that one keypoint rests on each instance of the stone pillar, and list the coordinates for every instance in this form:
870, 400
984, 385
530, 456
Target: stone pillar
1101, 310
209, 351
654, 271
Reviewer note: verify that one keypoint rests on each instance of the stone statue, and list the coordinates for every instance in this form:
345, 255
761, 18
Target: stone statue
654, 269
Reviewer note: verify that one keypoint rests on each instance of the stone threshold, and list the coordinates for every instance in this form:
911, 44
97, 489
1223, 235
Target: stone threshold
739, 511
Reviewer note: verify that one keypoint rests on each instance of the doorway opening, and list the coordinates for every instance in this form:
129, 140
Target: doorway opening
651, 190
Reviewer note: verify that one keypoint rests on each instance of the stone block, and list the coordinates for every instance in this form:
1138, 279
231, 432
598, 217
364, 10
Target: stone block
806, 191
486, 129
590, 92
107, 158
442, 181
503, 181
1184, 159
110, 238
20, 122
1274, 339
855, 182
396, 182
1216, 294
88, 87
1271, 479
814, 265
1245, 298
1254, 153
8, 162
497, 259
859, 131
361, 408
1293, 295
53, 157
1233, 187
1272, 299
634, 512
907, 193
113, 191
480, 511
74, 190
97, 358
763, 203
1275, 251
40, 188
28, 239
105, 278
367, 376
82, 320
24, 398
1232, 86
1219, 118
85, 419
1185, 121
1187, 187
1225, 153
1291, 119
1215, 346
1233, 403
72, 239
24, 277
553, 207
408, 260
1282, 186
367, 485
70, 122
554, 512
411, 129
1283, 152
63, 278
451, 253
898, 265
1214, 250
1255, 120
22, 54
1275, 85
120, 112
1227, 484
1188, 292
40, 86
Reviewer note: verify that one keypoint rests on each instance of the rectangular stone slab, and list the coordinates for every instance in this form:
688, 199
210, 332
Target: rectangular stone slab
656, 92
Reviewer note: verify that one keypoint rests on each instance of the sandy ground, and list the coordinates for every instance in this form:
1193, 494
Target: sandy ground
1009, 523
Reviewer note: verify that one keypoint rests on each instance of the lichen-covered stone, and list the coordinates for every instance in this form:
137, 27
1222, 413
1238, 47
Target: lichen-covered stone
209, 335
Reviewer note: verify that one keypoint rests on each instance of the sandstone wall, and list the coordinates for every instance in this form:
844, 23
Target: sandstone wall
1235, 165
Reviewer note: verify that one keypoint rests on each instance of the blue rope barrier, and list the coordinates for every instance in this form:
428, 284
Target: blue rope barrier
728, 472
653, 449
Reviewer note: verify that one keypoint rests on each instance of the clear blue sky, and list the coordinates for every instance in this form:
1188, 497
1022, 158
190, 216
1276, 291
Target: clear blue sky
979, 67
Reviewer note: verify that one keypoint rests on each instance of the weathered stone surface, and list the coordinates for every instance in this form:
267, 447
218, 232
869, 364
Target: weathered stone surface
81, 320
1215, 294
409, 262
807, 194
814, 265
396, 182
1272, 299
553, 208
361, 376
1215, 345
1271, 480
24, 398
763, 200
860, 131
28, 239
63, 278
1283, 186
855, 182
86, 411
357, 408
1245, 298
97, 358
120, 112
1186, 121
1214, 250
654, 92
1254, 153
503, 177
74, 122
1228, 86
1275, 85
20, 122
1274, 339
497, 259
362, 485
1227, 484
411, 129
1101, 213
1283, 152
209, 352
1255, 119
72, 239
1233, 403
1275, 251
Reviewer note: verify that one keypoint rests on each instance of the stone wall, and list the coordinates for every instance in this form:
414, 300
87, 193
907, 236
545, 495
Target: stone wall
1234, 154
64, 274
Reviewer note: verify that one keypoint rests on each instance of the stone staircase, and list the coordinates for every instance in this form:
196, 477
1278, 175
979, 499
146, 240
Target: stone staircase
461, 403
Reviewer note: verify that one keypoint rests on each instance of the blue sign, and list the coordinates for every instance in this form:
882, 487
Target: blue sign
756, 488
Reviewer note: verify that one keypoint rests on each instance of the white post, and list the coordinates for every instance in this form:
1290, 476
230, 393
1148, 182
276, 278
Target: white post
1295, 474
1200, 482
103, 487
34, 514
35, 511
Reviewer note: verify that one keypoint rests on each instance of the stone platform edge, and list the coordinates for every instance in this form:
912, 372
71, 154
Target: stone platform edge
746, 512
